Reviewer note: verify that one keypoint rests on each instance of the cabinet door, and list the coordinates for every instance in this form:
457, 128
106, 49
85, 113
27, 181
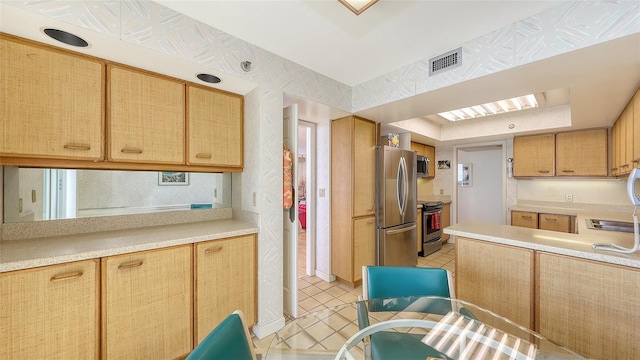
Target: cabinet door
418, 148
589, 307
446, 221
146, 117
364, 167
636, 129
430, 152
419, 230
534, 155
364, 245
582, 153
215, 126
615, 148
147, 304
225, 281
496, 277
628, 135
50, 312
51, 103
524, 219
555, 222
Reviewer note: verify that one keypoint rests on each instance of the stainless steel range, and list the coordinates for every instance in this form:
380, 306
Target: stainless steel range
431, 227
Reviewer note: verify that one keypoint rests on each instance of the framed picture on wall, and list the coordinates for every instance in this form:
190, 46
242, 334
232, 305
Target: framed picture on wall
173, 178
465, 174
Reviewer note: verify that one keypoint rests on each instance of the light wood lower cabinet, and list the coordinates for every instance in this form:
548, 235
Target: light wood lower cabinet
147, 304
446, 221
524, 219
589, 307
50, 312
554, 222
225, 280
364, 245
496, 277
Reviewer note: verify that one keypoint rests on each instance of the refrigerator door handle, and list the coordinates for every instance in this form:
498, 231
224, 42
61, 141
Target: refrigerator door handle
400, 231
404, 192
399, 188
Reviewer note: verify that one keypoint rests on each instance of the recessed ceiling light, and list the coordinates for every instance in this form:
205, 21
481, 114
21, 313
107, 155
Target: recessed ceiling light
208, 78
497, 107
66, 37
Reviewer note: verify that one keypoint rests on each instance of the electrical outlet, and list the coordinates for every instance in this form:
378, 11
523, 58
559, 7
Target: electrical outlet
255, 199
568, 197
215, 193
441, 191
33, 196
20, 205
321, 192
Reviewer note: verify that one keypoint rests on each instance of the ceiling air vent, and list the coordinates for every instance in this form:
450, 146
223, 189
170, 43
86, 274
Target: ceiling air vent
445, 62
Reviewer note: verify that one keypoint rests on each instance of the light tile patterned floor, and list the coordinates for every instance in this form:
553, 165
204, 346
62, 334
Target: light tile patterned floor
315, 294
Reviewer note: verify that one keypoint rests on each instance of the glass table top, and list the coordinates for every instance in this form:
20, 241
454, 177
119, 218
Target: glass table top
410, 328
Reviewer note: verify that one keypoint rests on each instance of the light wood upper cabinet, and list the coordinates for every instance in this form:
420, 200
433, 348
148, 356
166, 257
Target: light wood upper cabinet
587, 306
147, 304
225, 281
496, 277
51, 103
364, 167
215, 127
534, 155
429, 152
582, 153
50, 312
146, 117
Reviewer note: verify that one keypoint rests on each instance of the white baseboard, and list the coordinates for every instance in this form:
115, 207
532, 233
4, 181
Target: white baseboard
325, 276
264, 330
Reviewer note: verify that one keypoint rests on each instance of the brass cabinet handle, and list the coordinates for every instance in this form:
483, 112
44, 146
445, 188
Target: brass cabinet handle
67, 276
370, 222
77, 147
614, 169
527, 217
130, 265
625, 165
203, 156
213, 250
567, 171
636, 161
543, 171
131, 151
548, 219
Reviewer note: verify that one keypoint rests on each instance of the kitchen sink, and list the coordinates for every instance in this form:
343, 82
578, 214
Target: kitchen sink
610, 225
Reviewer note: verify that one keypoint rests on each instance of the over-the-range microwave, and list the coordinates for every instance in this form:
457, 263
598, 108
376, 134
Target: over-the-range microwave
422, 166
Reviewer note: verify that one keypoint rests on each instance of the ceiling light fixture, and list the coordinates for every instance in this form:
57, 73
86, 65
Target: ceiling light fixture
358, 6
208, 78
497, 107
65, 37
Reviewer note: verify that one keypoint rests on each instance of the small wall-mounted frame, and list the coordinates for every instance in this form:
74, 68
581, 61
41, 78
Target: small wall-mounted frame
465, 175
444, 164
173, 178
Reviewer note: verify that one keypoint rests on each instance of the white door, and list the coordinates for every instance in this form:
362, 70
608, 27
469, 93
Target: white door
290, 216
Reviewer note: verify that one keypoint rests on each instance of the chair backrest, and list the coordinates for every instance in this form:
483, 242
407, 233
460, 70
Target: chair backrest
395, 281
229, 340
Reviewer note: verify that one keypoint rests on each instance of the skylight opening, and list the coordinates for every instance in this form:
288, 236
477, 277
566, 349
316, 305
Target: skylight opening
492, 108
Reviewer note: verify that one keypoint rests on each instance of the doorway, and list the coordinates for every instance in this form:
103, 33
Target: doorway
306, 204
481, 183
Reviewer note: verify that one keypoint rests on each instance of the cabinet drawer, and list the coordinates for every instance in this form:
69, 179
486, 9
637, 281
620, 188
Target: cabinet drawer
555, 222
524, 219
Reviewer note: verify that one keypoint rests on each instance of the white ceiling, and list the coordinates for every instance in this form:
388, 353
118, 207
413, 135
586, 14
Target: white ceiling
323, 35
326, 37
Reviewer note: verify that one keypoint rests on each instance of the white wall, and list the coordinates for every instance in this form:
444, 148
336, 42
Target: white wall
483, 200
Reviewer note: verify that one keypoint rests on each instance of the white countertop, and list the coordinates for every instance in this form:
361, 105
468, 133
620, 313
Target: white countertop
578, 245
23, 254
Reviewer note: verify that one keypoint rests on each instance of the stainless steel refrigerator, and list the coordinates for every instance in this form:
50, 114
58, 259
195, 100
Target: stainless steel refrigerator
396, 208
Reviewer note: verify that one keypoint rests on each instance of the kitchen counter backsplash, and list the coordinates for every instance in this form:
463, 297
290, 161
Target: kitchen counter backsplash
40, 229
571, 206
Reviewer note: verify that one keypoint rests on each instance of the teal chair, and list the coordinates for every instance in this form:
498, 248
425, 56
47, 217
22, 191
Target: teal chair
393, 282
230, 340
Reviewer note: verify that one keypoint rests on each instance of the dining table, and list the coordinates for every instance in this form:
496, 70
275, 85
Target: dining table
442, 328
